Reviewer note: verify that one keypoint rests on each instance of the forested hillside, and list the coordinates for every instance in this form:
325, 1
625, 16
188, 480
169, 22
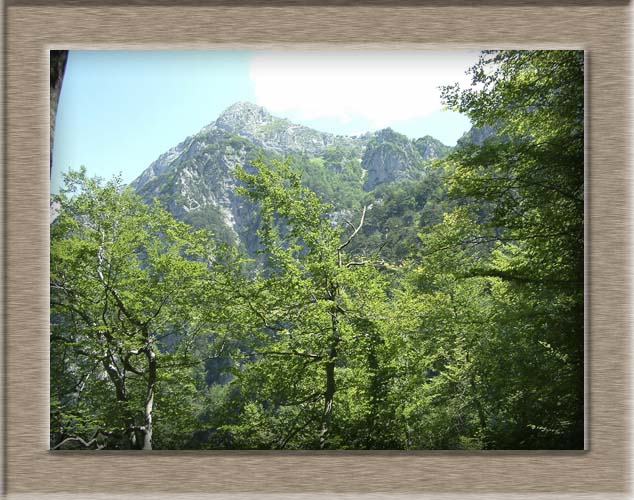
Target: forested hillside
264, 285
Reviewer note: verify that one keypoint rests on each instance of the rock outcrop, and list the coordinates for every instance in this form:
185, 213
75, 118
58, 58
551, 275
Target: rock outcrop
194, 180
389, 156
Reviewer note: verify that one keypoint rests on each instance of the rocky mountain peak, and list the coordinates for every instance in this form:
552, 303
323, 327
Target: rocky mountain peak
243, 117
428, 147
389, 157
194, 180
258, 125
389, 135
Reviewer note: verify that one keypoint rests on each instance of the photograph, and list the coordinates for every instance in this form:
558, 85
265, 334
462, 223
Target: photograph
316, 250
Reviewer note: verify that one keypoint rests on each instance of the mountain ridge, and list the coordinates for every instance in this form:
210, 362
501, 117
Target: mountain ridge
194, 180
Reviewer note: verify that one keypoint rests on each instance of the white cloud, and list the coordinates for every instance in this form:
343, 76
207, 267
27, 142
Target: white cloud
382, 87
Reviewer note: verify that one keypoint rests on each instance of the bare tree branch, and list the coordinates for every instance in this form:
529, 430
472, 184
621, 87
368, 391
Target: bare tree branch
85, 444
289, 353
77, 439
358, 228
351, 237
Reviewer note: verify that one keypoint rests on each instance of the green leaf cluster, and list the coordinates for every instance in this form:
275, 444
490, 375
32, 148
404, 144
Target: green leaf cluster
440, 311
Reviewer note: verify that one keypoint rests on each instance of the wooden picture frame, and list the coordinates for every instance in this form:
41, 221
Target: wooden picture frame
34, 27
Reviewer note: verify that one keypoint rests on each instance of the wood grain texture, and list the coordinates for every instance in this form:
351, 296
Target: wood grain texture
33, 470
319, 3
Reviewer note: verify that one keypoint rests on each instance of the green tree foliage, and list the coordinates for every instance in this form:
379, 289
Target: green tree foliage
336, 176
124, 285
397, 210
442, 310
518, 231
307, 382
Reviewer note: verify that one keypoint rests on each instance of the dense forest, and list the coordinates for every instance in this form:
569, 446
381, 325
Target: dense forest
441, 310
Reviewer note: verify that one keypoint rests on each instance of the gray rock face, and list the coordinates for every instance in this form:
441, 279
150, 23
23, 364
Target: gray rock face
477, 135
243, 117
194, 179
162, 163
430, 148
389, 157
276, 134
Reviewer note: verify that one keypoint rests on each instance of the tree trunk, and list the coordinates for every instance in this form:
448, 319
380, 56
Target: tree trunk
149, 400
58, 66
329, 394
329, 391
333, 296
375, 389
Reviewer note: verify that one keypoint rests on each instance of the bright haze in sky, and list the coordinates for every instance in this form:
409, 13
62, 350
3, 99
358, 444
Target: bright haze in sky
119, 110
383, 88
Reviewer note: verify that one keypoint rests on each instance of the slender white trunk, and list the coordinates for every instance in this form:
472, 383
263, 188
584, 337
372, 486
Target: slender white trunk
149, 400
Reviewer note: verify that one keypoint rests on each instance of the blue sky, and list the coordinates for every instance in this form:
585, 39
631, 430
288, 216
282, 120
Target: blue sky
119, 110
